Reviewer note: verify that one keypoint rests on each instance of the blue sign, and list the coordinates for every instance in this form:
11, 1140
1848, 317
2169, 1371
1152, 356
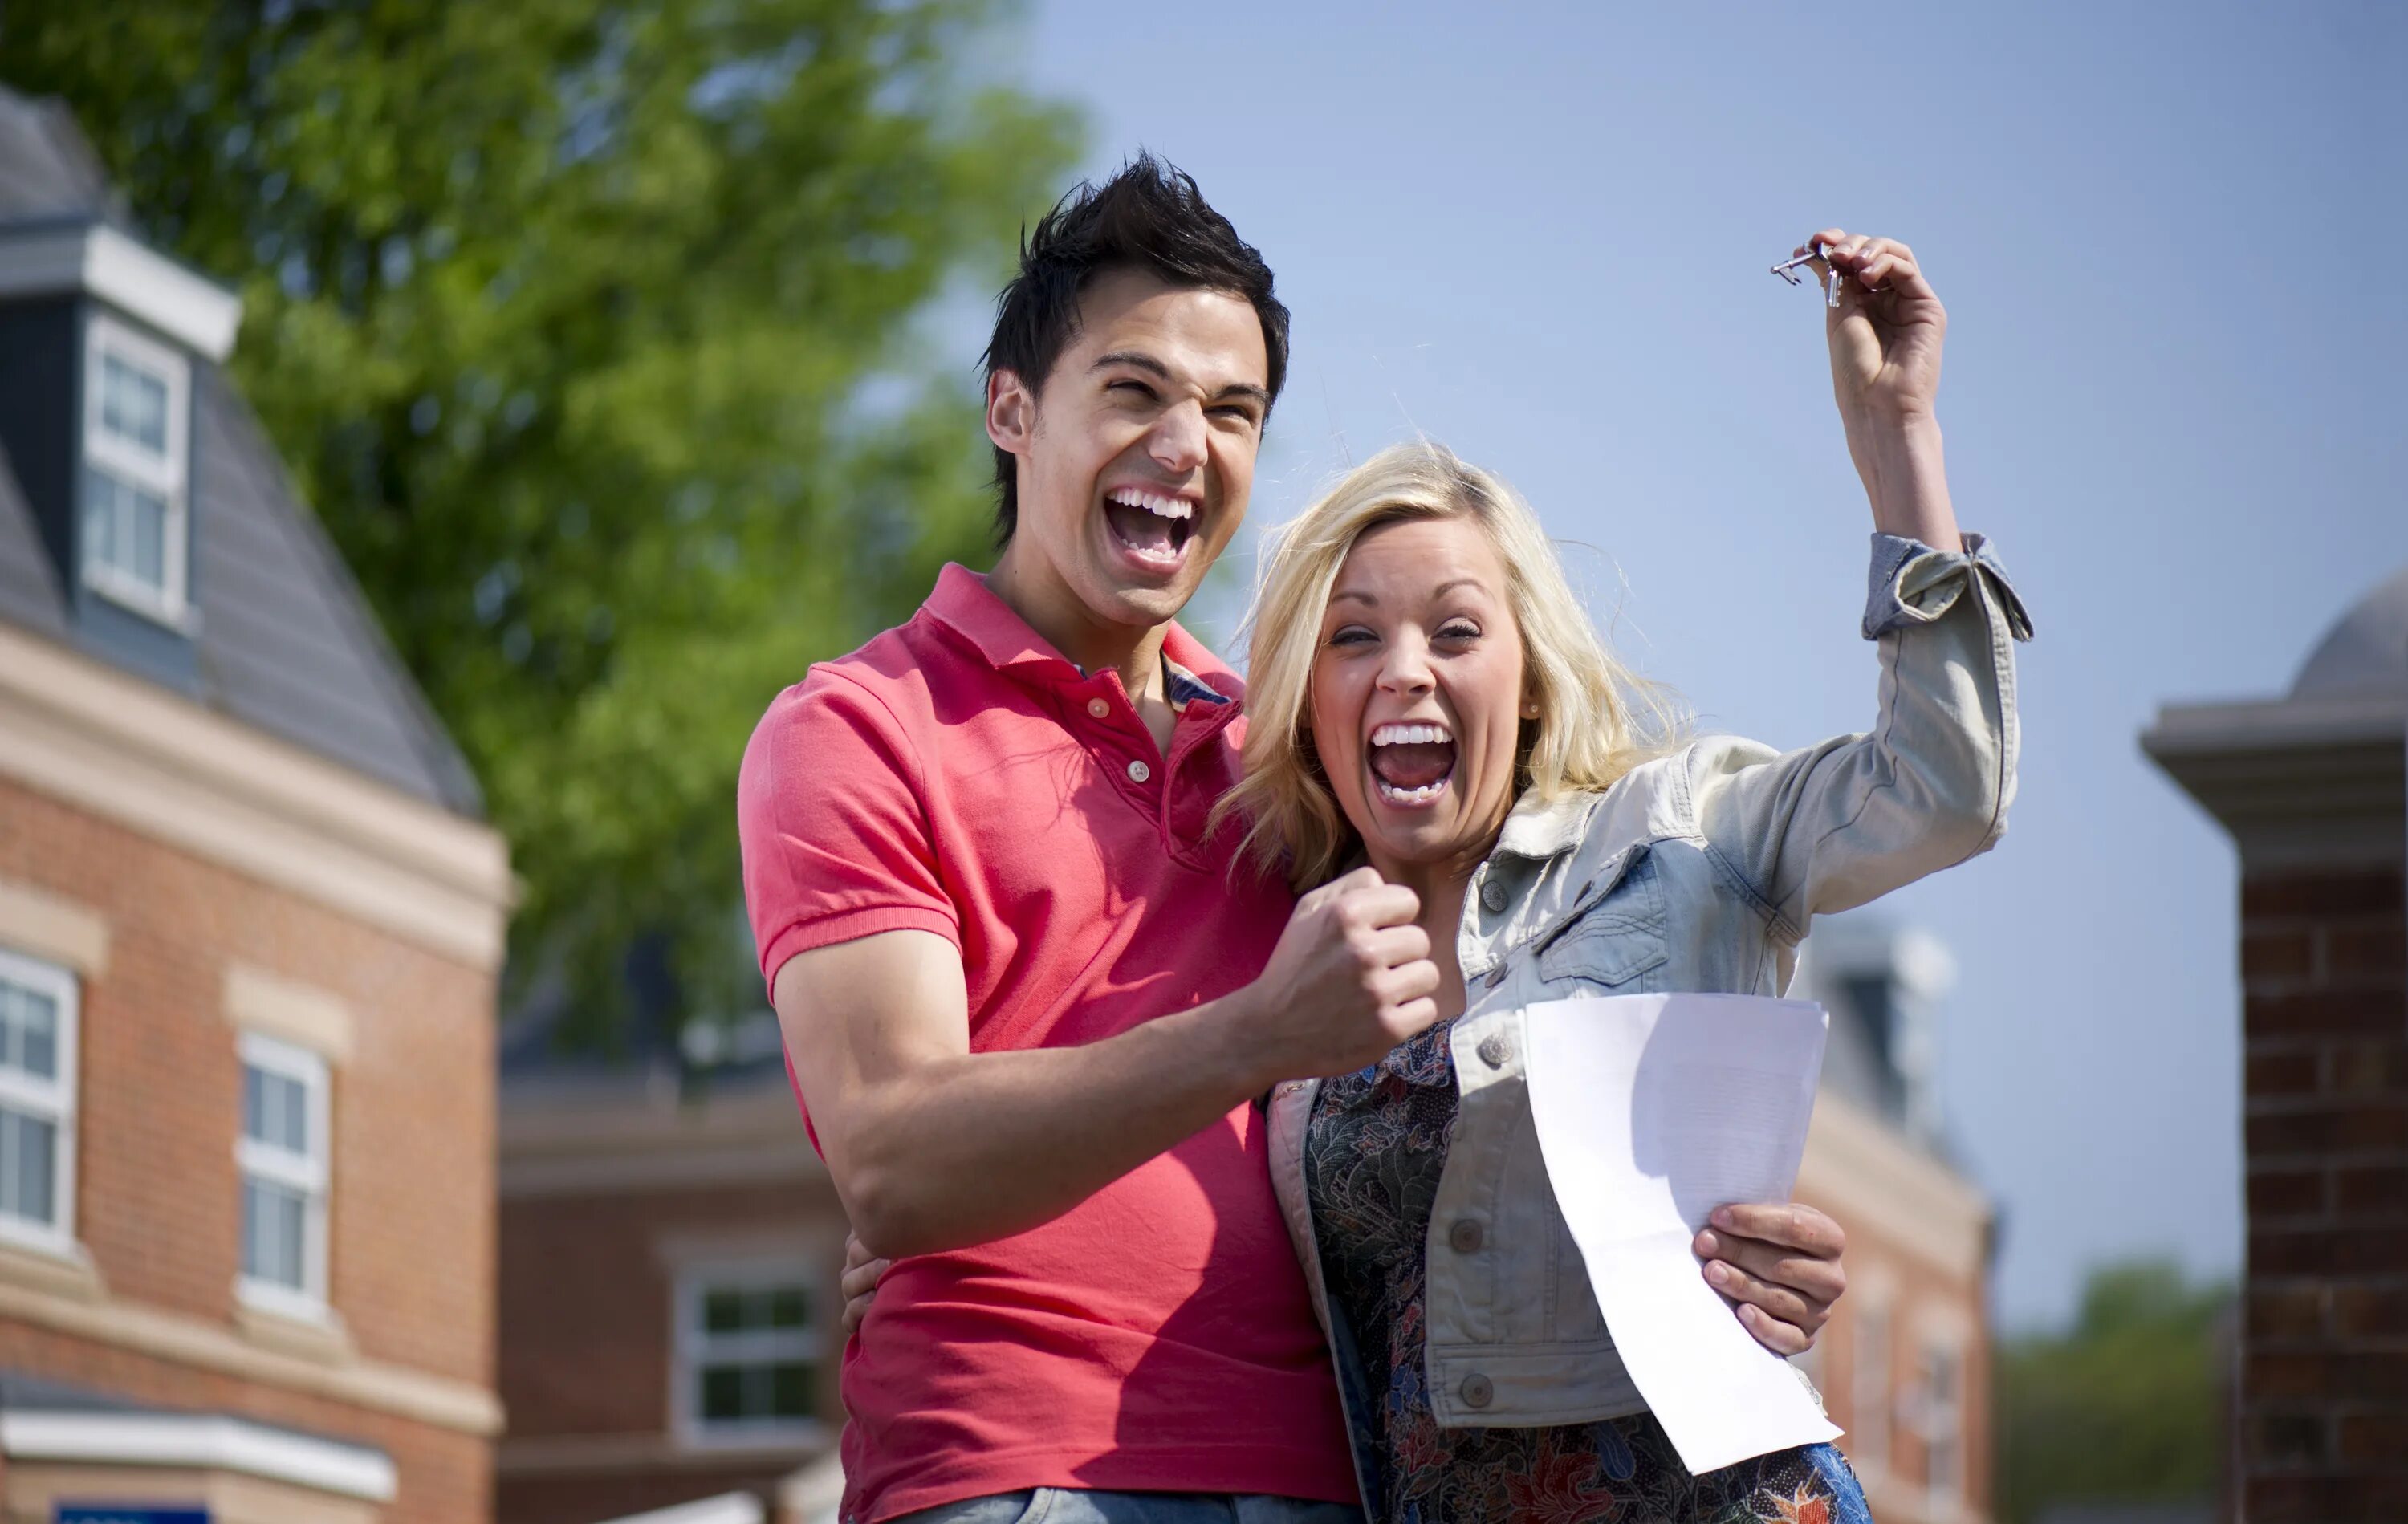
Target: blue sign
127, 1512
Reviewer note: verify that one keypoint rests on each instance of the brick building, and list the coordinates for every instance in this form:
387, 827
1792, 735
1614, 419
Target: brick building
249, 921
669, 1253
2312, 789
1904, 1364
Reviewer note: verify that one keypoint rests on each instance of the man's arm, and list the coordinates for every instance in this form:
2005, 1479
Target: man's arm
933, 1146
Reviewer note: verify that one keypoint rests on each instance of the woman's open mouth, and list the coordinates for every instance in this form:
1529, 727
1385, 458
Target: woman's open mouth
1411, 764
1153, 528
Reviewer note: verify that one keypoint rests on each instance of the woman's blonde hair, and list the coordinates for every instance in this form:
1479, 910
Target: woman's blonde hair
1595, 719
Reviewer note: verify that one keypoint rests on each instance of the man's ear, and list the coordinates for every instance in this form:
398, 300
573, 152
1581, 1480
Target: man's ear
1011, 412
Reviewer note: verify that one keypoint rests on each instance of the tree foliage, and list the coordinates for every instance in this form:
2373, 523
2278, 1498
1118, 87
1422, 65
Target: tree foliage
587, 328
2125, 1405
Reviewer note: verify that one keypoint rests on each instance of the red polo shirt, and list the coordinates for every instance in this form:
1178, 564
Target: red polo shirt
957, 775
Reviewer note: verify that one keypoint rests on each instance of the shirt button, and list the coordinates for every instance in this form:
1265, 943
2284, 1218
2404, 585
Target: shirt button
1140, 772
1477, 1390
1098, 707
1492, 894
1464, 1237
1493, 1051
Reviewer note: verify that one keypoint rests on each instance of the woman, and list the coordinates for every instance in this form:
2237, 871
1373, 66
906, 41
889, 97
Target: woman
1425, 696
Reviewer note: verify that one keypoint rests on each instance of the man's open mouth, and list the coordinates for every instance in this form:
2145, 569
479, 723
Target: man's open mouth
1154, 527
1411, 764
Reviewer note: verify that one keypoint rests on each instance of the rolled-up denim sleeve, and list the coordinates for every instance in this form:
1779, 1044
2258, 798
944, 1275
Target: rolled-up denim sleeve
1911, 583
1833, 826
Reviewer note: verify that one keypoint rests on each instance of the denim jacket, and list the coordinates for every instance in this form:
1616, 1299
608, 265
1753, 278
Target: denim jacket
1699, 870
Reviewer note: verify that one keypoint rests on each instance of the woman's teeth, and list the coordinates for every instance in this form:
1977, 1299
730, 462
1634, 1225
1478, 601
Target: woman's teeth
1426, 793
1410, 762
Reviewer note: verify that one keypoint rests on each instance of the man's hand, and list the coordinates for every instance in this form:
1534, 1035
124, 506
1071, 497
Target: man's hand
1349, 979
1778, 1266
858, 1286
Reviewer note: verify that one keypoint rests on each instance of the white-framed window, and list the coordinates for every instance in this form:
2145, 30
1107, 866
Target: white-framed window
1869, 1388
747, 1347
38, 1010
284, 1157
1939, 1419
138, 396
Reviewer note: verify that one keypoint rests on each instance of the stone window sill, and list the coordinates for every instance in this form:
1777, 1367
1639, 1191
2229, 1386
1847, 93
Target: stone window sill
324, 1338
66, 1272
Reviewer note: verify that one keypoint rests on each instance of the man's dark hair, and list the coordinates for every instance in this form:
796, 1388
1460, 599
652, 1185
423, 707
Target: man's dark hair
1148, 217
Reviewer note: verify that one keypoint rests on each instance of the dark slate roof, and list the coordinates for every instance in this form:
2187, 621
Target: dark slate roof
47, 169
29, 581
285, 639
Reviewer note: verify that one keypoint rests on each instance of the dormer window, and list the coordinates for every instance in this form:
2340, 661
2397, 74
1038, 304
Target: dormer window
136, 403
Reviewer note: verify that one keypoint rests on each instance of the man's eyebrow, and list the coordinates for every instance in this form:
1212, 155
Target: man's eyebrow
1140, 359
1131, 357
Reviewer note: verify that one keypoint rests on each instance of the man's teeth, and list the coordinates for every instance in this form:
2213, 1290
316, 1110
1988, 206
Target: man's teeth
1165, 507
1406, 735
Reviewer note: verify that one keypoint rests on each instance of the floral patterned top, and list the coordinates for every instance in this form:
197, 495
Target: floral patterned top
1373, 1153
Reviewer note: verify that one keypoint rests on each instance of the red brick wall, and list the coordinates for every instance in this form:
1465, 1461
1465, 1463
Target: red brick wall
1914, 1288
412, 1208
586, 1331
2324, 1402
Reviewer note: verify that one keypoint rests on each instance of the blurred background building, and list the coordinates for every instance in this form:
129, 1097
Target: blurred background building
1904, 1364
250, 925
2313, 790
669, 1250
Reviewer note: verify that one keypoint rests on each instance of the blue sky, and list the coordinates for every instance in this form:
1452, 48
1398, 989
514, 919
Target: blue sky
2170, 241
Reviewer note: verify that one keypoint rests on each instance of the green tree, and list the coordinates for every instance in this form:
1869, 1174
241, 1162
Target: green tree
2125, 1405
588, 329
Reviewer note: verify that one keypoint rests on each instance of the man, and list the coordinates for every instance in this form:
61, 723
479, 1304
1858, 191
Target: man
1027, 998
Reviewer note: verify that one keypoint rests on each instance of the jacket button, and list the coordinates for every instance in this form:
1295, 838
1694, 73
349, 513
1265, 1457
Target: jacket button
1464, 1237
1496, 976
1098, 707
1492, 894
1477, 1390
1494, 1050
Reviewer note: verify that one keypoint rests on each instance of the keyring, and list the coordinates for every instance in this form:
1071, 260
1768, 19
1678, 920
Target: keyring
1787, 270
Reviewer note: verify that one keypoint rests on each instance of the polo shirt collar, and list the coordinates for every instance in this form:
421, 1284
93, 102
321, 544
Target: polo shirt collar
963, 603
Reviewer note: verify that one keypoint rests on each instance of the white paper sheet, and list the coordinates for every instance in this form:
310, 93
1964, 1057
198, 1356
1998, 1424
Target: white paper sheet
1652, 1111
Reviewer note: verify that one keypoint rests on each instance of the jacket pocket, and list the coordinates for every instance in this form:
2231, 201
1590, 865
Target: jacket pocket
1613, 935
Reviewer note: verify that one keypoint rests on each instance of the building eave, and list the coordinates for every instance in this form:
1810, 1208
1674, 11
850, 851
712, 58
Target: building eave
93, 257
199, 1440
2320, 779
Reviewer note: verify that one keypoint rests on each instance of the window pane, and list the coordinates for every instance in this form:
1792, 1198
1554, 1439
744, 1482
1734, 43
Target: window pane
100, 518
36, 1047
790, 1391
149, 539
786, 1307
722, 1312
27, 1154
272, 1218
723, 1393
275, 1110
133, 404
124, 528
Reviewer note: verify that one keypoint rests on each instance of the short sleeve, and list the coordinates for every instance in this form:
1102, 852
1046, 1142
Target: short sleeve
832, 815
